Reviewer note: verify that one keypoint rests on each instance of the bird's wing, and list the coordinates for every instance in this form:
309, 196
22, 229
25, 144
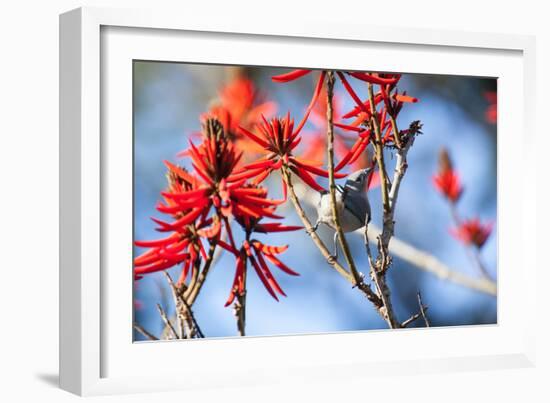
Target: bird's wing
359, 207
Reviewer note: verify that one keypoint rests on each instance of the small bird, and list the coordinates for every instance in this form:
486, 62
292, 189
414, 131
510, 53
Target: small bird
352, 205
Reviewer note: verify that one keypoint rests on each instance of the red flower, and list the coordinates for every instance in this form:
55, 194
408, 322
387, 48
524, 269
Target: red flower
295, 74
491, 112
258, 254
447, 181
473, 232
279, 139
448, 184
240, 104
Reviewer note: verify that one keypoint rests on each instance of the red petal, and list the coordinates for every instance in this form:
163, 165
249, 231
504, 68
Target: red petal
246, 175
362, 145
269, 249
261, 177
350, 90
162, 265
405, 98
237, 280
281, 265
275, 227
254, 138
350, 128
146, 260
293, 75
373, 79
190, 194
180, 172
261, 276
315, 170
307, 178
157, 242
271, 280
227, 247
316, 93
259, 164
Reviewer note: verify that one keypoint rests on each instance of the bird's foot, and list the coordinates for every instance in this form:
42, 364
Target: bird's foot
312, 229
332, 259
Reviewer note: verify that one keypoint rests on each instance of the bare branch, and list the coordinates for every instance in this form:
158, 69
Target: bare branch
423, 309
176, 299
184, 312
426, 262
421, 313
145, 332
167, 322
332, 185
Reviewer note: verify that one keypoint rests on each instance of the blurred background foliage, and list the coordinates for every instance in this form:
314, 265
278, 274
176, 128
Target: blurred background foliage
168, 100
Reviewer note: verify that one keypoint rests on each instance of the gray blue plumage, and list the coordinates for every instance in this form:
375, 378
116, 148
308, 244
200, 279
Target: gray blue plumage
352, 205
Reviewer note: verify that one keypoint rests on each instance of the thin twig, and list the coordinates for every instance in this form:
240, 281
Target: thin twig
180, 318
145, 332
396, 133
423, 309
407, 322
167, 322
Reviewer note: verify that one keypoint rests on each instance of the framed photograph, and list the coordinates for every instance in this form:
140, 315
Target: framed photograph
289, 201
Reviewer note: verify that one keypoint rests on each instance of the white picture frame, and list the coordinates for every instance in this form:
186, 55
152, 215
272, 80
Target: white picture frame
96, 354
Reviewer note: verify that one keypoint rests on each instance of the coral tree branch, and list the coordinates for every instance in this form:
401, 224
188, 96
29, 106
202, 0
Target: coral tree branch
332, 185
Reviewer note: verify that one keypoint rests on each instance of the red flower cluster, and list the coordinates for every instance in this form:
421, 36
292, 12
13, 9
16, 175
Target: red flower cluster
473, 232
200, 204
447, 181
278, 139
257, 253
